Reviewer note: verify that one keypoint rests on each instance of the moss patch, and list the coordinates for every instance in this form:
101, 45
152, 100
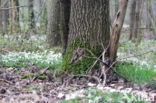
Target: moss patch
30, 75
82, 64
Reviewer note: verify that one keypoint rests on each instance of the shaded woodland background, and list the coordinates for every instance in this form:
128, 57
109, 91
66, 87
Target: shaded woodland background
28, 17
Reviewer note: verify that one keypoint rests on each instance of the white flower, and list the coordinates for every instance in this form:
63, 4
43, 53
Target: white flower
60, 95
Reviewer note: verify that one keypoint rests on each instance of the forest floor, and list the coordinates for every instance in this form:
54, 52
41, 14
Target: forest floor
15, 89
23, 61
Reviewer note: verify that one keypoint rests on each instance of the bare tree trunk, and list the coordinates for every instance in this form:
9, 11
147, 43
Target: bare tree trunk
0, 18
135, 21
31, 15
53, 30
5, 16
64, 22
116, 29
149, 10
138, 21
17, 13
151, 20
132, 19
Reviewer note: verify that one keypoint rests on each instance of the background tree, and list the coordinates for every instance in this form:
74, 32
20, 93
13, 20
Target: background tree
151, 24
31, 14
5, 16
135, 20
14, 16
64, 22
0, 18
53, 29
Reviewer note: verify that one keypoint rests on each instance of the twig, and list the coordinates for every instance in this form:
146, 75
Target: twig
137, 55
14, 7
3, 80
129, 57
91, 67
43, 72
94, 77
125, 58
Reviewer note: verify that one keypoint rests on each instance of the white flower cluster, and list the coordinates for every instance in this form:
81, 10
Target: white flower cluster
37, 57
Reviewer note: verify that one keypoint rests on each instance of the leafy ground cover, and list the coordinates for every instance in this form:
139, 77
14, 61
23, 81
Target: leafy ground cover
21, 65
16, 89
25, 59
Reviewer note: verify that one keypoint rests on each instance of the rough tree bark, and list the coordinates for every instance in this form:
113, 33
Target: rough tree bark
116, 29
53, 30
89, 22
89, 28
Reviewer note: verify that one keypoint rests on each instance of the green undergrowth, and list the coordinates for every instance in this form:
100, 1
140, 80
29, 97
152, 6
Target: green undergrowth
27, 59
136, 73
143, 50
93, 95
83, 63
20, 43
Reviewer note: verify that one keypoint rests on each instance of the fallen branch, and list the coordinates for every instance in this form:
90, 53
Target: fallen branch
3, 80
42, 72
91, 77
14, 7
129, 57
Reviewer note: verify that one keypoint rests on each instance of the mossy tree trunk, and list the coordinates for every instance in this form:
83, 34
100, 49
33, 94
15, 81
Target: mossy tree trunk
89, 27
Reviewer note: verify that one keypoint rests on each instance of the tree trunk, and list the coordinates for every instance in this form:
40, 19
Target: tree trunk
132, 19
149, 10
0, 18
138, 21
135, 21
5, 16
151, 20
17, 13
53, 31
64, 22
31, 15
116, 29
89, 28
89, 22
